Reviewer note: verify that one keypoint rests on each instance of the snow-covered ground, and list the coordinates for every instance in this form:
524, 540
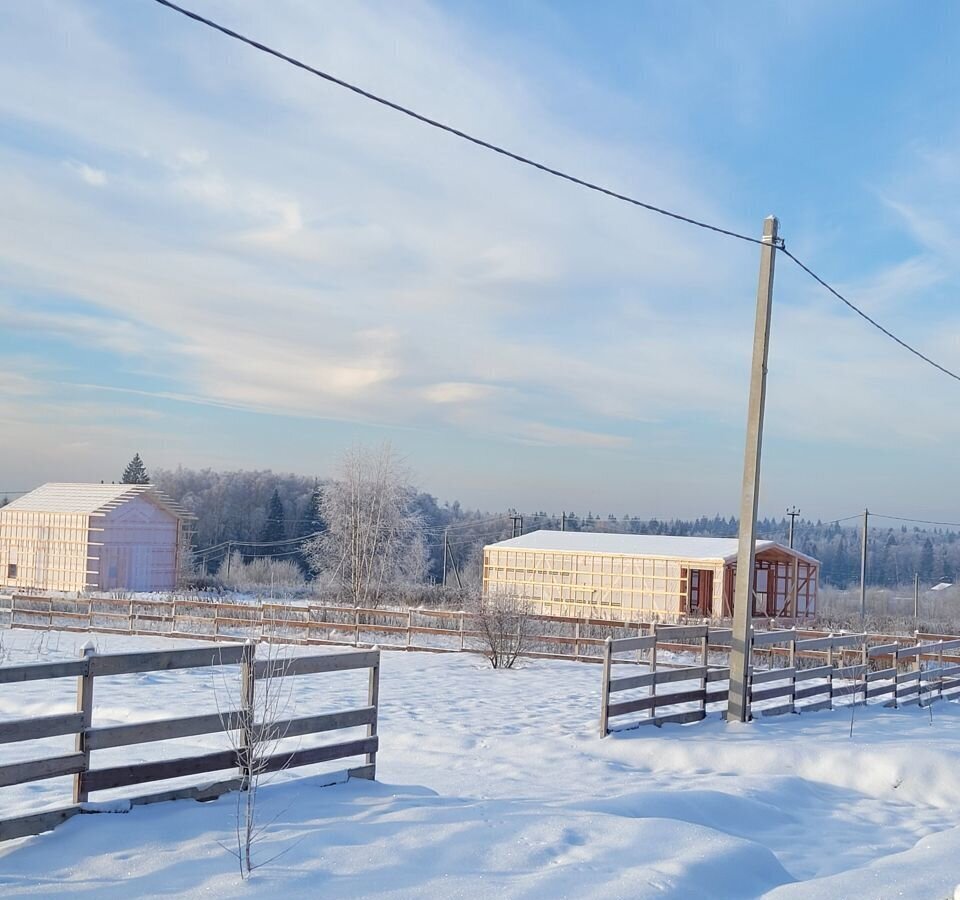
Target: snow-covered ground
495, 784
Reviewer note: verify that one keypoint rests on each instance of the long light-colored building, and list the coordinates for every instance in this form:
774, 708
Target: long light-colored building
634, 576
91, 537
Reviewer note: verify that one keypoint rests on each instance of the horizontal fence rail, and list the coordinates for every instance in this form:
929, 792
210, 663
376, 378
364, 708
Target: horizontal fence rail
241, 756
792, 671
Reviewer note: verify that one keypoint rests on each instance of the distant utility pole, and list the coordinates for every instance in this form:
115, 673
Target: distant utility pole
863, 566
916, 598
563, 521
517, 525
738, 709
793, 512
444, 582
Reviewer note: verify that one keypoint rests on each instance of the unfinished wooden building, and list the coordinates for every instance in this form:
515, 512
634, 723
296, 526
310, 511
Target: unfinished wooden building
639, 576
91, 537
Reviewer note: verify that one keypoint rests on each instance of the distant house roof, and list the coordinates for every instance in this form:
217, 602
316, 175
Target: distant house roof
88, 499
662, 546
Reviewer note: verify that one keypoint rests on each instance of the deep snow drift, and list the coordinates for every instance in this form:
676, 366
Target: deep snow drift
495, 784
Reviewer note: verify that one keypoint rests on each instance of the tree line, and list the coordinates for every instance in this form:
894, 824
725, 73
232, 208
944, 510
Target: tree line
393, 531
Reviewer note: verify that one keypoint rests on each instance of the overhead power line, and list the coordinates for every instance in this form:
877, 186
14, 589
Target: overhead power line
916, 521
867, 318
542, 167
456, 132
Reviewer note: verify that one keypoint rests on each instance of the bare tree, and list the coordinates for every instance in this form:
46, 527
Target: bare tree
255, 714
505, 625
374, 537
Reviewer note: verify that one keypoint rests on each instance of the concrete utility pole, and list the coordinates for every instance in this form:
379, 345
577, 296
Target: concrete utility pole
738, 709
863, 566
793, 512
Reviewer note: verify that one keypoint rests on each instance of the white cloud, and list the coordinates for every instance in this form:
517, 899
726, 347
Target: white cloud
88, 174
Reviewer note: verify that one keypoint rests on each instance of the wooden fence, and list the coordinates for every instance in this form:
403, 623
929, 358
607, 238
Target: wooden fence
432, 630
791, 671
90, 737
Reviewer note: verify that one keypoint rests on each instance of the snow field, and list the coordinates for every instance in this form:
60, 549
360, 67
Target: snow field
494, 784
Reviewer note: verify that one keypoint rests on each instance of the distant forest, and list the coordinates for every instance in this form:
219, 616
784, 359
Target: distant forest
257, 509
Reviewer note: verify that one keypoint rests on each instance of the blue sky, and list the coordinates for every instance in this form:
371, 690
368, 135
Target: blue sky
214, 259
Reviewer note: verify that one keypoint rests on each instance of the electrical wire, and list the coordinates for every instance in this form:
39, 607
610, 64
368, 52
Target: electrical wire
915, 521
867, 318
456, 132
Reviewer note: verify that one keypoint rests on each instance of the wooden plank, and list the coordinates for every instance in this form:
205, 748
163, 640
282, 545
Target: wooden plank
688, 673
312, 755
765, 638
718, 674
667, 633
812, 691
164, 660
880, 674
631, 682
720, 636
37, 671
310, 665
123, 776
39, 769
630, 706
324, 722
817, 672
904, 677
160, 730
836, 641
720, 696
771, 693
623, 645
678, 697
917, 650
35, 823
767, 675
40, 727
881, 689
883, 650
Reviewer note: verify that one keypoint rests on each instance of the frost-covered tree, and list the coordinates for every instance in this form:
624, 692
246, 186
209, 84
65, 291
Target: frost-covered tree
374, 533
274, 529
135, 472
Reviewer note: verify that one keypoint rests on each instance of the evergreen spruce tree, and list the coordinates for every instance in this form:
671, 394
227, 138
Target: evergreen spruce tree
274, 529
135, 472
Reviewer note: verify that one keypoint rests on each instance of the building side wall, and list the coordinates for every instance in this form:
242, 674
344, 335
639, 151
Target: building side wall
587, 584
43, 550
134, 547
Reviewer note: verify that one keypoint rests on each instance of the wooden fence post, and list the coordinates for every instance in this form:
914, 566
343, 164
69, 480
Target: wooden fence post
373, 699
653, 670
792, 663
356, 620
896, 675
85, 708
248, 695
462, 644
409, 626
830, 663
940, 669
704, 661
576, 640
605, 687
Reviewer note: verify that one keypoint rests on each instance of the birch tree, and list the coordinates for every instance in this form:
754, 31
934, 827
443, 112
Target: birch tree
374, 537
